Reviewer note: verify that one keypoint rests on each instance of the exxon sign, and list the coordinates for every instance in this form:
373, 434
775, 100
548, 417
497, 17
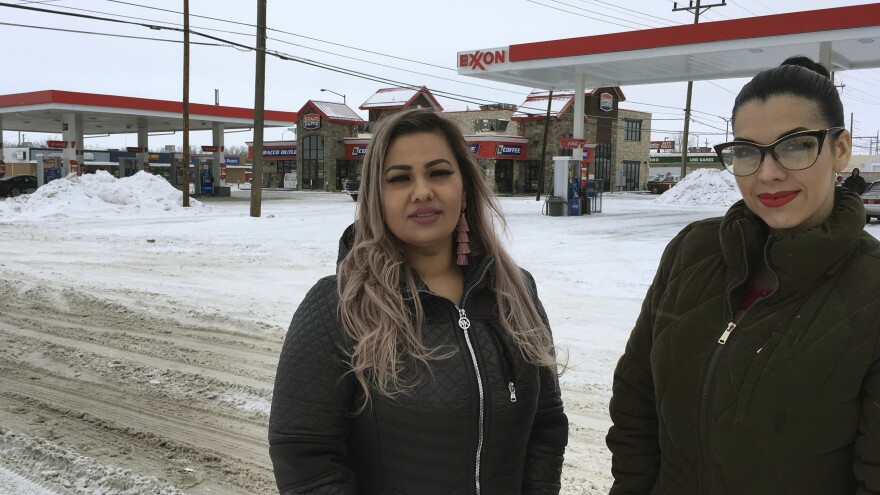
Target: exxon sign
482, 59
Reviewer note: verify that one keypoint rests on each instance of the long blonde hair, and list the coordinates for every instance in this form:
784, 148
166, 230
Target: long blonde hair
378, 294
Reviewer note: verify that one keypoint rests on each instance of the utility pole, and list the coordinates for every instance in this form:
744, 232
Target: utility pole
697, 10
186, 159
259, 100
544, 148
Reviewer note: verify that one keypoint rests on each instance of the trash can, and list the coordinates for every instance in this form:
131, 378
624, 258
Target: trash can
555, 206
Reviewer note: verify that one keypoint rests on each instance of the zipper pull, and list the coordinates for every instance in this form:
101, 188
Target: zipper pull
512, 391
463, 322
726, 334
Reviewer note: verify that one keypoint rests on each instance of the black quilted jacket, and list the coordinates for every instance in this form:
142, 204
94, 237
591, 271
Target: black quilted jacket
483, 421
787, 401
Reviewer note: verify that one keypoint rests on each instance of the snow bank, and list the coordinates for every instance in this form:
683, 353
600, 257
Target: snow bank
98, 194
703, 187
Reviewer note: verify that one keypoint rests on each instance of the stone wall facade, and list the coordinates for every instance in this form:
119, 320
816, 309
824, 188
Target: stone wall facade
624, 150
334, 150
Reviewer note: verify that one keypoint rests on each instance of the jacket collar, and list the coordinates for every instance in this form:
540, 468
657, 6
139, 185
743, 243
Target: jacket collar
800, 261
477, 273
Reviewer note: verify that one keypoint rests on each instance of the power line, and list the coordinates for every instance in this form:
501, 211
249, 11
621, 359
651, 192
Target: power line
768, 9
107, 34
252, 35
653, 18
287, 33
322, 65
368, 51
577, 14
737, 4
721, 87
604, 16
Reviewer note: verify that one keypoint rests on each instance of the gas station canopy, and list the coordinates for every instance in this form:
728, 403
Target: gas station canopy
44, 111
840, 38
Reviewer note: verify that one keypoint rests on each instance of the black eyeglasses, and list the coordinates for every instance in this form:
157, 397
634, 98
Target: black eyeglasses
796, 151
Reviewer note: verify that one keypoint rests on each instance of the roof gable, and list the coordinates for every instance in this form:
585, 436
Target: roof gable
536, 102
333, 112
387, 98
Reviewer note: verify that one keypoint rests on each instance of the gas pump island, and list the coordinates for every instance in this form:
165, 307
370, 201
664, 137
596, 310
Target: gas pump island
575, 192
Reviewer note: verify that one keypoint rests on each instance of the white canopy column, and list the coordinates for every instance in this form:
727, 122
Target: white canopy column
219, 153
72, 133
143, 143
2, 163
578, 131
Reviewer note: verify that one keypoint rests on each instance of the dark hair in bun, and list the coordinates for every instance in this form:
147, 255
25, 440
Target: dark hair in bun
796, 76
807, 63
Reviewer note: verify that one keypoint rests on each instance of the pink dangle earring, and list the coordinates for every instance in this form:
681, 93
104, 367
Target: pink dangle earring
462, 238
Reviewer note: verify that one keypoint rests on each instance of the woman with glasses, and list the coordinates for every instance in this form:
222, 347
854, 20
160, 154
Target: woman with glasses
754, 366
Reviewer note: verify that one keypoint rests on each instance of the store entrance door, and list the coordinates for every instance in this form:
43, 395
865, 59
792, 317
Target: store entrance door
504, 176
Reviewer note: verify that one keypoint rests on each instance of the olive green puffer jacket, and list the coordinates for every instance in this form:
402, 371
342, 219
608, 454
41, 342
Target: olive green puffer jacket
790, 402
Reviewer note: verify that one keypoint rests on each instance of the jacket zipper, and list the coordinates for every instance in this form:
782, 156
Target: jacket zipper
464, 324
508, 369
705, 471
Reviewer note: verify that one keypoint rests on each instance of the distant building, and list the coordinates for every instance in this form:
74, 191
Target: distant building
618, 138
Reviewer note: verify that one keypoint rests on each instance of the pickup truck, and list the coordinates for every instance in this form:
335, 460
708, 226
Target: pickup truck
351, 185
661, 184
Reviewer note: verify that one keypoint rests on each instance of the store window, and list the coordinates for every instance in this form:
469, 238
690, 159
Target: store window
490, 125
312, 157
630, 175
633, 130
603, 165
282, 167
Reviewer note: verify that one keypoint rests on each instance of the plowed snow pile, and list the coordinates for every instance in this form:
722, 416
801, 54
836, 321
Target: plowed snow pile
89, 195
703, 187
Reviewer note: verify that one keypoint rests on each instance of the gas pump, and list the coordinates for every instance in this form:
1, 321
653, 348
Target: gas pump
566, 199
206, 178
574, 189
51, 168
129, 166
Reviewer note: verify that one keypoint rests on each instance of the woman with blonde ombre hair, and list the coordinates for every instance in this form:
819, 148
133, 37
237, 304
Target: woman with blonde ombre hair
425, 365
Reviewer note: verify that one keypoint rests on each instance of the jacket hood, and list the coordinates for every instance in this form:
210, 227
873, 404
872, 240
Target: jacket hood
345, 243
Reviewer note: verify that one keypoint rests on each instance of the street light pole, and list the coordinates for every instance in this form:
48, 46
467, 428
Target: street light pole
335, 93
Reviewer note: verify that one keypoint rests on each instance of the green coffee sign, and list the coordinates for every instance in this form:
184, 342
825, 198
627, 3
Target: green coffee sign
700, 158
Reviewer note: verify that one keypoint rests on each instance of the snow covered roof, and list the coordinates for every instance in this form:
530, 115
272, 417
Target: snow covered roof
536, 102
332, 111
398, 98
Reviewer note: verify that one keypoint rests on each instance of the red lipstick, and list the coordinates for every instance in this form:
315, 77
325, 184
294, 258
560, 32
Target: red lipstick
775, 200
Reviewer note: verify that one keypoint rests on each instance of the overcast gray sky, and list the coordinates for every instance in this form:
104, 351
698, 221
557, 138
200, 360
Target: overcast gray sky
343, 33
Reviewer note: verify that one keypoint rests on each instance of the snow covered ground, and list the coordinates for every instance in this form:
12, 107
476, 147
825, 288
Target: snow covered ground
138, 339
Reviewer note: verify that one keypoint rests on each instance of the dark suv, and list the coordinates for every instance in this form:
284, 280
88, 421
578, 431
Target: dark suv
17, 184
351, 184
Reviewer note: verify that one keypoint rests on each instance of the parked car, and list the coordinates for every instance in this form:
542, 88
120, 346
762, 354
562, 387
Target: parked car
661, 184
871, 200
17, 184
351, 185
